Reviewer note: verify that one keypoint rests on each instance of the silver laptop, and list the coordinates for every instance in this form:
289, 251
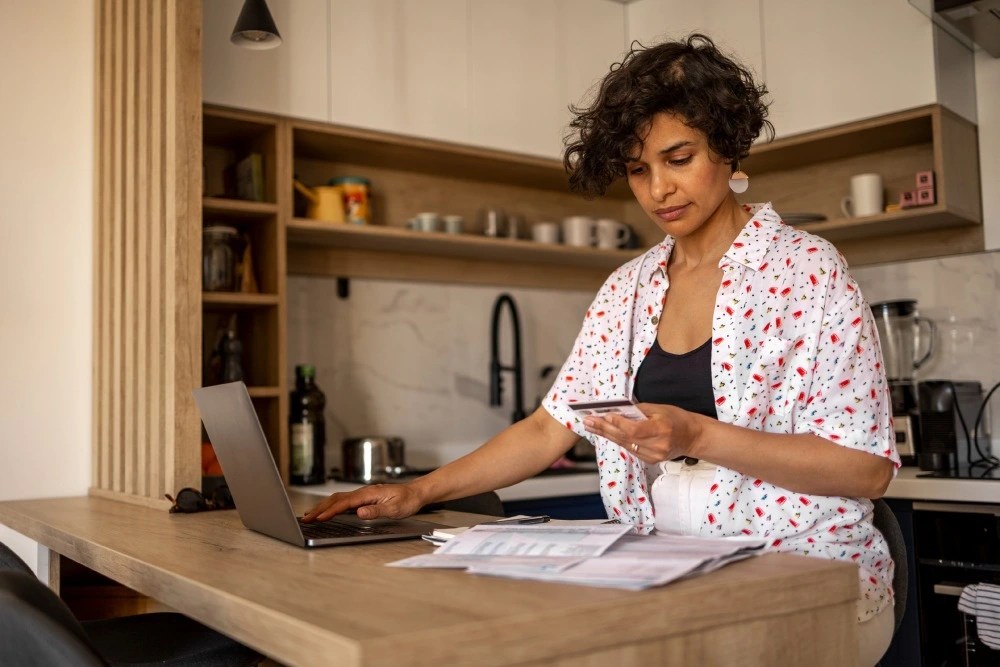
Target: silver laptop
258, 492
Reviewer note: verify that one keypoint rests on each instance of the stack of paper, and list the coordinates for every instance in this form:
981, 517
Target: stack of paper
592, 555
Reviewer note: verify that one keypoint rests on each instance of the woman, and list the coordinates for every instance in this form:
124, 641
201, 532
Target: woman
749, 345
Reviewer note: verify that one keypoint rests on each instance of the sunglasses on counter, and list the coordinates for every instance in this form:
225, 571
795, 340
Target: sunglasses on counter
190, 500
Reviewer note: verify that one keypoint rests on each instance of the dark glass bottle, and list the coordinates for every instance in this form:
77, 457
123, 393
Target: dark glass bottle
307, 429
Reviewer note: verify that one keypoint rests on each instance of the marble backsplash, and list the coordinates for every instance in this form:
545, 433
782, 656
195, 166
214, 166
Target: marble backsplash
412, 359
961, 294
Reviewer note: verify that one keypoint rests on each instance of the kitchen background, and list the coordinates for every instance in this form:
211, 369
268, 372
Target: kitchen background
429, 87
413, 359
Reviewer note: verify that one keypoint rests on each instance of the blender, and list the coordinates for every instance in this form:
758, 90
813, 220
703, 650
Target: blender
907, 342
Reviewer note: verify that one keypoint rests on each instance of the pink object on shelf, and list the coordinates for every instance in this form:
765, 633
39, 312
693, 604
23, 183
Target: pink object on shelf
925, 196
907, 199
925, 179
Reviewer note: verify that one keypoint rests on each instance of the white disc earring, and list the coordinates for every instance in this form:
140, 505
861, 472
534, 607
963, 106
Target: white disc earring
739, 181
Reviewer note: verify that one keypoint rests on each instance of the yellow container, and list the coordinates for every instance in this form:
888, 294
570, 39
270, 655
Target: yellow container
326, 202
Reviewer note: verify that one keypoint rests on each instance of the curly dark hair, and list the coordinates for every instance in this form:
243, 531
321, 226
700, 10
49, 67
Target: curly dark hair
690, 78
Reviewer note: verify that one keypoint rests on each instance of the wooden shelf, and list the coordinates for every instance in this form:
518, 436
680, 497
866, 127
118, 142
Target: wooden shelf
905, 221
393, 253
811, 173
237, 209
264, 392
874, 135
468, 246
237, 300
357, 146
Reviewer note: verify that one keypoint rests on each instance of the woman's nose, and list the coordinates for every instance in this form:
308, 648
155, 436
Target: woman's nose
660, 185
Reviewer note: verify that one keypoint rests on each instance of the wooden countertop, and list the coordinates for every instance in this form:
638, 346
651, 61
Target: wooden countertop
343, 606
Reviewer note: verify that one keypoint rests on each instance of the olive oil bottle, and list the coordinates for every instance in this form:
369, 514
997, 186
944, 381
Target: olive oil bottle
307, 429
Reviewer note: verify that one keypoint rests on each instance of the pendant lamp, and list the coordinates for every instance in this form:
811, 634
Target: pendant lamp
255, 28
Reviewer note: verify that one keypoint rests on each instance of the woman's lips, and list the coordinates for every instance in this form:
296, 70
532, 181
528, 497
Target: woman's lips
671, 212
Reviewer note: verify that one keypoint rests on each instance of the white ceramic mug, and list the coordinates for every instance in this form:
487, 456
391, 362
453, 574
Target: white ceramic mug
578, 230
865, 197
453, 224
428, 222
545, 232
612, 234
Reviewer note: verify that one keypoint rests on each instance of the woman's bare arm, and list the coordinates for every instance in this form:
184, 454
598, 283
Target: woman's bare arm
800, 462
516, 453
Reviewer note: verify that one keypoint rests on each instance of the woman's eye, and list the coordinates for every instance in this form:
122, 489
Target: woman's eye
635, 170
680, 162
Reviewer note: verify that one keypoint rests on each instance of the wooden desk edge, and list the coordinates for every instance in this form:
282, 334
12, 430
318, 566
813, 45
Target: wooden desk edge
534, 637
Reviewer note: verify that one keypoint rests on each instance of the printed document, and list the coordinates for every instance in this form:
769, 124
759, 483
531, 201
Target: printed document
592, 555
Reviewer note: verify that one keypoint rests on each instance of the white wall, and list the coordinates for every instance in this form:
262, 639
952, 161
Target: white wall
988, 107
46, 222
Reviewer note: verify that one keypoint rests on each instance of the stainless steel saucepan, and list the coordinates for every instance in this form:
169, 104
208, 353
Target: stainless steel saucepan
372, 459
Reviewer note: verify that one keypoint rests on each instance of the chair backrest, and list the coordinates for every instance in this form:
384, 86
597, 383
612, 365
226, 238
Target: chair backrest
481, 503
886, 522
11, 562
37, 628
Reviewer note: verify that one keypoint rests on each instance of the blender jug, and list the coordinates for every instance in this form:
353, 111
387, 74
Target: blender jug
903, 334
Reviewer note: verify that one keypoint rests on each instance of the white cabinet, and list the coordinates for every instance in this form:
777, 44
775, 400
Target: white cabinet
529, 60
828, 63
734, 25
825, 63
592, 38
400, 66
290, 80
496, 74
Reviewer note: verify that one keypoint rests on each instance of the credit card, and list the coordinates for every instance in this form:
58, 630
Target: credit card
619, 406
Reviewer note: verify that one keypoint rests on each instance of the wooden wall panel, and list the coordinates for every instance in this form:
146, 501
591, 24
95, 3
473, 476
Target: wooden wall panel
147, 241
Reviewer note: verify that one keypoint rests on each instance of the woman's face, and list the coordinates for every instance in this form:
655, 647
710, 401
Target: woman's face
676, 178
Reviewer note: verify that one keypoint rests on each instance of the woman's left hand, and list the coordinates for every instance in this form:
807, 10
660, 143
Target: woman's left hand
667, 433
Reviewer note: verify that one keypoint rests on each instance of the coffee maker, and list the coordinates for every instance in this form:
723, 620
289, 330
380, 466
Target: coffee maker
934, 419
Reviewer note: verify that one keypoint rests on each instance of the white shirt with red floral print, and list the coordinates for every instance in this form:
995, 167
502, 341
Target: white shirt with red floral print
794, 350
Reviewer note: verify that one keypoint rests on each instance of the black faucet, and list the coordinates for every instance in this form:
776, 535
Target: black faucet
496, 368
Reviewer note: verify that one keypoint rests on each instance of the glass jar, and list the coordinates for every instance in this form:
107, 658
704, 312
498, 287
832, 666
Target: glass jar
219, 252
357, 198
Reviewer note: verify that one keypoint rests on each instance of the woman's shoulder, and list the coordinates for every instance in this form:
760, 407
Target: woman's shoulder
800, 245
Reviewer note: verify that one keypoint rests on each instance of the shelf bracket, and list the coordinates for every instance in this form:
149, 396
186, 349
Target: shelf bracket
343, 287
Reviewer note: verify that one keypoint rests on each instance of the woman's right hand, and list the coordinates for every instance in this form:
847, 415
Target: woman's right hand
390, 501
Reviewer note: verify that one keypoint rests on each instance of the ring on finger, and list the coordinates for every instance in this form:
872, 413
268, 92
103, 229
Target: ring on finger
635, 448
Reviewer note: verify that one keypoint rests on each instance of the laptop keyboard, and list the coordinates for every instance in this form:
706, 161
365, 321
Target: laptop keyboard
337, 529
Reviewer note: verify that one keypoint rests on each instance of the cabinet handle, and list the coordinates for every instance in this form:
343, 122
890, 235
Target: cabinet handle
957, 508
953, 590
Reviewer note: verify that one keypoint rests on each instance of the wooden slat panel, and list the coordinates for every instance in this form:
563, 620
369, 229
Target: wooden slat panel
100, 138
157, 487
147, 246
129, 254
118, 197
139, 483
184, 103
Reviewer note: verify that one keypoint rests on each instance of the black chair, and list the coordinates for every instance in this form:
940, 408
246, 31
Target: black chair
481, 503
886, 522
37, 628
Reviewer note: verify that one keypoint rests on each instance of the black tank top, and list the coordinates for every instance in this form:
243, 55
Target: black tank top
683, 380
